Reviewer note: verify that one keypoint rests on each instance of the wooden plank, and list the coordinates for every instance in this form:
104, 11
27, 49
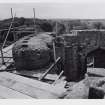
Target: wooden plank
49, 69
6, 57
37, 85
26, 89
9, 93
34, 74
58, 77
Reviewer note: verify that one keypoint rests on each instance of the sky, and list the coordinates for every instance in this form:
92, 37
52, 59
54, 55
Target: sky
48, 10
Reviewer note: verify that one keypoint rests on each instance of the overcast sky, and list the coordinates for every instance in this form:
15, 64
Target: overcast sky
54, 10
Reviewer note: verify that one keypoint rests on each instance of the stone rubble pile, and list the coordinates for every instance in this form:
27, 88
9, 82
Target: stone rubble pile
86, 89
33, 52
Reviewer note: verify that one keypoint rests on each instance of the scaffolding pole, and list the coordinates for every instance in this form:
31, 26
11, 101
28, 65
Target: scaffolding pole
34, 21
54, 47
13, 25
56, 28
1, 50
54, 51
2, 56
67, 29
7, 33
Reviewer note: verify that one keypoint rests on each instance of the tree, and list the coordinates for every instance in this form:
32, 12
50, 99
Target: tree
98, 25
47, 27
21, 21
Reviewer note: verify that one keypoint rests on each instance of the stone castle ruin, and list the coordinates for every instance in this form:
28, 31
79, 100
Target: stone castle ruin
76, 50
79, 46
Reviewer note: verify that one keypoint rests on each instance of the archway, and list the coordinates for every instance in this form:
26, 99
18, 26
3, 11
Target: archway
96, 58
76, 61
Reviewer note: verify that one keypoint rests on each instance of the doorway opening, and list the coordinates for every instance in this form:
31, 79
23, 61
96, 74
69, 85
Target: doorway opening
96, 58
